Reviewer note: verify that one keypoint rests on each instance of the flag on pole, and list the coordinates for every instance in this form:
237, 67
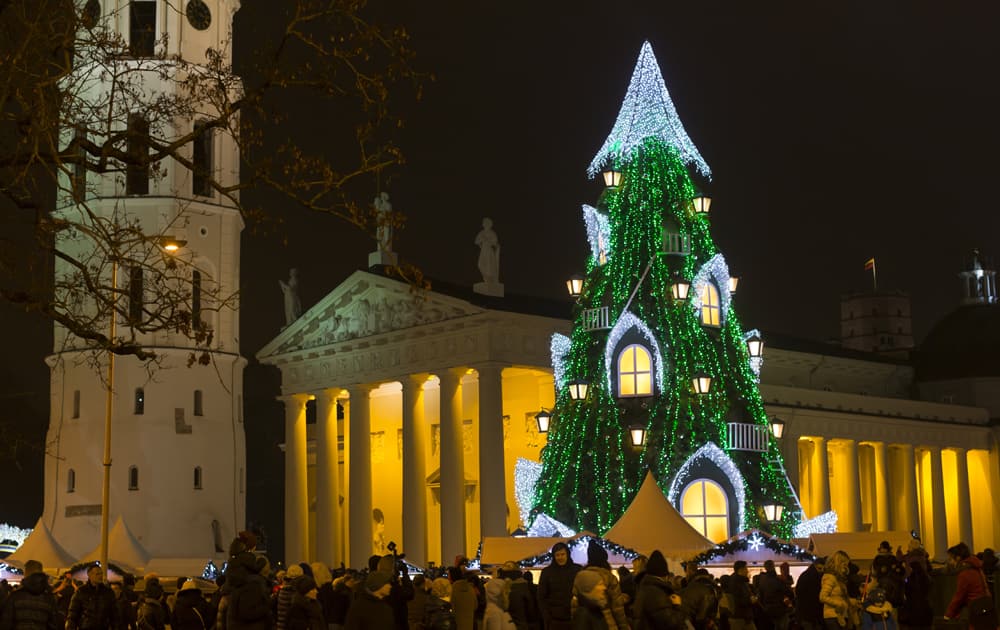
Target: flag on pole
870, 264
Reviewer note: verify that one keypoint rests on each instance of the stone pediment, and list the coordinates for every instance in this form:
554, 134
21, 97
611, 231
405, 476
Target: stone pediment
365, 305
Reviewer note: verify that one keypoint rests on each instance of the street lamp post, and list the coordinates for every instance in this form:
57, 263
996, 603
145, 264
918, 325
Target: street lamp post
170, 245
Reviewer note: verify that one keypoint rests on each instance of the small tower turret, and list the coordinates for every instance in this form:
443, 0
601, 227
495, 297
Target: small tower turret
979, 284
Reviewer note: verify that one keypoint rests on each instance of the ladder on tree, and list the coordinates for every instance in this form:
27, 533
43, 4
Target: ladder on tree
777, 462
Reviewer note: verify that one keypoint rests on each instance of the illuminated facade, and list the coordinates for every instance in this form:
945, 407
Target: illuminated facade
443, 388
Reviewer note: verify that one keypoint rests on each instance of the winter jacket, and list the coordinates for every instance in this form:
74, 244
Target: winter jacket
191, 612
152, 615
93, 606
282, 602
400, 595
700, 601
807, 605
496, 618
305, 614
416, 607
888, 573
523, 606
614, 612
742, 597
775, 595
249, 604
340, 602
437, 614
31, 607
464, 602
589, 616
833, 595
368, 612
971, 585
653, 609
555, 591
916, 610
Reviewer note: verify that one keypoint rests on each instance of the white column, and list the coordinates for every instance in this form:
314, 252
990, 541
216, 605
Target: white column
359, 495
881, 472
296, 498
938, 509
853, 487
414, 470
452, 467
904, 479
492, 477
327, 478
964, 499
821, 477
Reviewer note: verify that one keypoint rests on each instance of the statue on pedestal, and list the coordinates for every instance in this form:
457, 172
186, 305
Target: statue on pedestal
383, 254
290, 289
489, 261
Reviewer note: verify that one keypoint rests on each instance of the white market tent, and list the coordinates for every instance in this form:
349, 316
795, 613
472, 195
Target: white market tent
860, 546
651, 523
123, 549
41, 546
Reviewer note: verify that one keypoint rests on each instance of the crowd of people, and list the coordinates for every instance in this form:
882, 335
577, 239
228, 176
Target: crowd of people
831, 594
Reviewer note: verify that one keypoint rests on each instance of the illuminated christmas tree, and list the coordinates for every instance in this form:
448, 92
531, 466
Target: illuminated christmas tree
657, 354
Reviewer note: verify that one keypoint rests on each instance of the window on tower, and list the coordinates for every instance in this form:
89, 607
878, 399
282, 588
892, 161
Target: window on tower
635, 371
201, 157
197, 477
76, 403
711, 310
142, 27
70, 480
198, 410
135, 295
704, 505
140, 401
133, 478
137, 171
80, 167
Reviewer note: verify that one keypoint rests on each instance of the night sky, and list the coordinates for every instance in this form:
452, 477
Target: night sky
834, 134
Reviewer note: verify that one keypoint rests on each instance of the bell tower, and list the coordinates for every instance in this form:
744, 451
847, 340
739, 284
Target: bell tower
177, 438
979, 282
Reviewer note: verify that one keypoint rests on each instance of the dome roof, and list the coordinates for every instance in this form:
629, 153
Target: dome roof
965, 344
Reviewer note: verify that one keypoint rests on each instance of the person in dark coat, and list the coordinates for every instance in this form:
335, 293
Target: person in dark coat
249, 606
888, 572
808, 609
153, 614
657, 606
700, 600
33, 606
93, 604
591, 599
401, 592
305, 613
555, 589
344, 588
916, 612
521, 602
191, 611
742, 598
776, 597
370, 610
416, 607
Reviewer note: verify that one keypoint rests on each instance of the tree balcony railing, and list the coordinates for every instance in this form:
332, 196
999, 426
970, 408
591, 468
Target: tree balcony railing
748, 437
596, 318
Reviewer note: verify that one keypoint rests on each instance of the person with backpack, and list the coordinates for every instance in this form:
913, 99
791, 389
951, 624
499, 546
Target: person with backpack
249, 605
971, 590
191, 611
700, 600
657, 606
437, 609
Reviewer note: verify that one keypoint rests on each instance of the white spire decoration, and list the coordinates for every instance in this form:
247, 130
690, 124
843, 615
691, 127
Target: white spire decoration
647, 111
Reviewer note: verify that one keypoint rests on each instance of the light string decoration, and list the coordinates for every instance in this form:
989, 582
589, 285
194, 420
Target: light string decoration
14, 534
625, 323
559, 347
716, 271
647, 112
590, 470
718, 457
753, 540
598, 233
526, 474
825, 523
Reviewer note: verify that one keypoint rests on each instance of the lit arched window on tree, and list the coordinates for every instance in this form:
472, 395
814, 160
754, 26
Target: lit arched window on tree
704, 505
711, 310
635, 371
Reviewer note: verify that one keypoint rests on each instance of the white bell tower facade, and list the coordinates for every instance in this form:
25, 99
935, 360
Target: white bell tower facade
177, 477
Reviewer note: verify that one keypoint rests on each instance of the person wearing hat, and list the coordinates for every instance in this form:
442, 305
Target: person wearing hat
597, 561
700, 599
742, 598
555, 589
248, 606
657, 607
888, 572
370, 609
522, 601
305, 613
283, 601
191, 611
496, 616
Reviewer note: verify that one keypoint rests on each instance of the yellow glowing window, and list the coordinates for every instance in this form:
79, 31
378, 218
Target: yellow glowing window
711, 312
635, 372
704, 505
